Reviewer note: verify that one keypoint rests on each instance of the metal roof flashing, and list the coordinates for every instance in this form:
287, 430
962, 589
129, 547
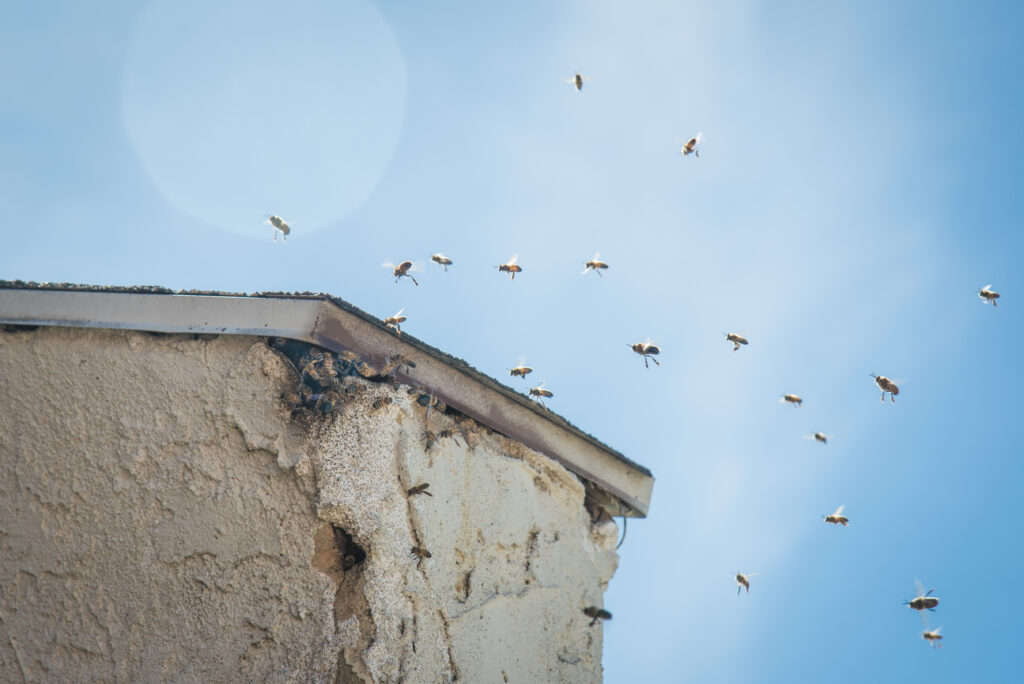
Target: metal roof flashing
334, 324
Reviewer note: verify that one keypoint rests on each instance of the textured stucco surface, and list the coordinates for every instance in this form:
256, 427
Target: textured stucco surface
164, 515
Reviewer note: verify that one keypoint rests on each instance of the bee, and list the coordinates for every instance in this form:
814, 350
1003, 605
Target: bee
924, 599
450, 433
395, 322
419, 489
429, 438
987, 294
837, 518
441, 260
736, 340
594, 265
577, 80
325, 401
820, 437
646, 350
420, 553
511, 267
522, 370
280, 226
381, 403
292, 400
886, 385
691, 145
541, 393
327, 362
402, 270
933, 636
743, 581
393, 363
597, 614
311, 368
793, 399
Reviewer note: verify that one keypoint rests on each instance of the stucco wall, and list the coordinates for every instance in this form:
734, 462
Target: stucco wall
164, 515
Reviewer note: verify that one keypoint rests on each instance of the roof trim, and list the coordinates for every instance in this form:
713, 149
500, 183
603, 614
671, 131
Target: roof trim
336, 325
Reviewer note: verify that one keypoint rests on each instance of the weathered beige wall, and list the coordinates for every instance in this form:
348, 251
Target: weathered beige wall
163, 516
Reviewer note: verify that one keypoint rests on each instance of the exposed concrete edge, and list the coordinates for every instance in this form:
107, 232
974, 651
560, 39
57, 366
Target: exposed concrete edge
337, 326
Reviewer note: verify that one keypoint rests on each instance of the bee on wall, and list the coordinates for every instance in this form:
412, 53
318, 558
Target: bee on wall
886, 385
646, 350
736, 340
597, 614
987, 294
793, 399
577, 80
419, 553
933, 637
395, 322
837, 518
594, 265
380, 403
395, 362
690, 146
510, 267
743, 581
441, 260
450, 433
541, 393
429, 439
280, 226
418, 489
402, 270
923, 600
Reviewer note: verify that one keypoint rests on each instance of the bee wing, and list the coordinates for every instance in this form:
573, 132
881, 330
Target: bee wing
399, 313
698, 137
512, 261
839, 511
919, 587
987, 287
388, 264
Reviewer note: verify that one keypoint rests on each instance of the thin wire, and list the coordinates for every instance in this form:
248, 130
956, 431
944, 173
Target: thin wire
623, 533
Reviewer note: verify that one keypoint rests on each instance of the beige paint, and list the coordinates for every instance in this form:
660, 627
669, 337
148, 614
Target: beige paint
164, 516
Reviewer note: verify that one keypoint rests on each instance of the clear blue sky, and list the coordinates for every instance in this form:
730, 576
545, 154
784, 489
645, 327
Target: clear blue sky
859, 180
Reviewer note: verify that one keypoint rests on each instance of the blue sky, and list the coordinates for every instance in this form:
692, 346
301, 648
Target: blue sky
859, 180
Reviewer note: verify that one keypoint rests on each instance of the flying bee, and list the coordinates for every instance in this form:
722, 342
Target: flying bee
381, 403
450, 433
837, 518
792, 399
395, 322
691, 145
987, 294
924, 599
541, 393
933, 637
819, 437
594, 265
521, 371
511, 267
280, 226
736, 340
743, 581
646, 350
419, 489
441, 260
402, 270
597, 614
429, 438
577, 80
886, 385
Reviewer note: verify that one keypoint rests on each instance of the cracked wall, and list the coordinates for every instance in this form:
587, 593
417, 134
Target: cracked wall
165, 515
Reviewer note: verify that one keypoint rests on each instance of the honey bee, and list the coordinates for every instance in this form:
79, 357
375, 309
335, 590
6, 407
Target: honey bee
510, 267
987, 294
933, 637
441, 260
736, 340
594, 265
450, 433
597, 614
292, 400
393, 363
420, 553
792, 399
429, 439
521, 371
691, 145
280, 226
577, 80
325, 401
820, 437
886, 385
541, 393
402, 270
646, 350
419, 489
395, 322
924, 599
381, 403
743, 581
837, 518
